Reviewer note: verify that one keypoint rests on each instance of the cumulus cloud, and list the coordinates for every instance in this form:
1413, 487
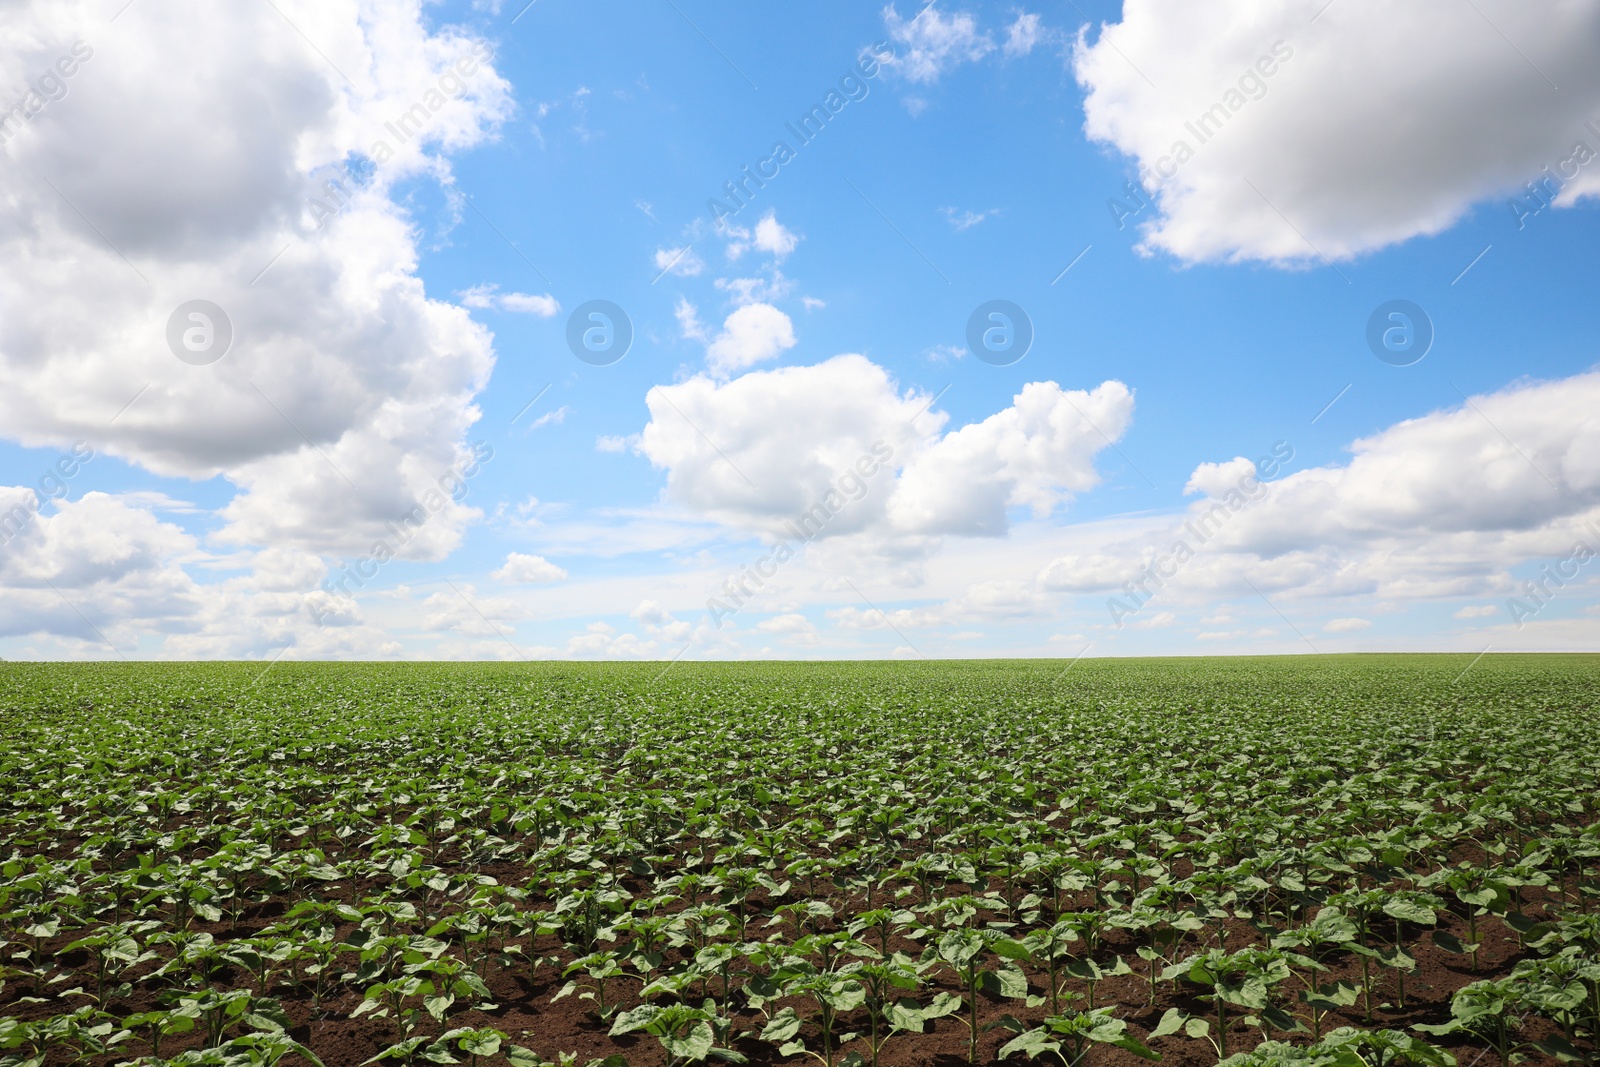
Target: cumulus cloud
760, 290
1024, 33
1268, 131
789, 623
1216, 479
769, 236
87, 569
346, 391
544, 306
103, 576
931, 43
1038, 453
689, 323
773, 239
752, 334
1511, 463
489, 296
522, 568
467, 612
994, 601
1088, 574
1438, 506
1346, 626
601, 640
760, 450
551, 418
683, 262
659, 623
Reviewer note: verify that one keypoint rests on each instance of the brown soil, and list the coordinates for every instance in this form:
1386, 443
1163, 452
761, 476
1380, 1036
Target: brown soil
526, 1012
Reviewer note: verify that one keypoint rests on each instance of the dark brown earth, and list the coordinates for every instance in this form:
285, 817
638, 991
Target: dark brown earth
526, 1012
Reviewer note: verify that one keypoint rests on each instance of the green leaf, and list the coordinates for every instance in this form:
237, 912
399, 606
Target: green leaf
1006, 948
960, 947
1034, 1043
637, 1019
782, 1027
846, 996
437, 1006
1559, 1047
1008, 982
1129, 1043
692, 1046
518, 1056
1411, 911
480, 1042
905, 1014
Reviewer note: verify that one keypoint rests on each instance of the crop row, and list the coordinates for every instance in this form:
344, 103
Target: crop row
1326, 862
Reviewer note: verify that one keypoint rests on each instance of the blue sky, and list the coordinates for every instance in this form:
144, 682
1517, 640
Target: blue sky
989, 153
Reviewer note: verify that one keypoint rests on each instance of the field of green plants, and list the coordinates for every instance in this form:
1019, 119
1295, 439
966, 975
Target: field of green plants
1320, 861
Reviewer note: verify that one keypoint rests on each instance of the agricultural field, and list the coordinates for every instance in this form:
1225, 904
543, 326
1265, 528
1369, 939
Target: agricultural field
1328, 861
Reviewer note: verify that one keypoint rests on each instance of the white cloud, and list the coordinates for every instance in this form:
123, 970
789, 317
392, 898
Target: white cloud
1432, 507
1477, 611
479, 296
336, 340
1023, 34
1217, 479
488, 296
772, 238
792, 623
103, 576
544, 307
769, 236
931, 43
966, 220
470, 613
1377, 122
615, 442
1038, 453
551, 418
659, 623
113, 569
752, 334
682, 262
995, 600
689, 323
1346, 626
601, 640
758, 290
526, 569
763, 448
1088, 574
1447, 473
